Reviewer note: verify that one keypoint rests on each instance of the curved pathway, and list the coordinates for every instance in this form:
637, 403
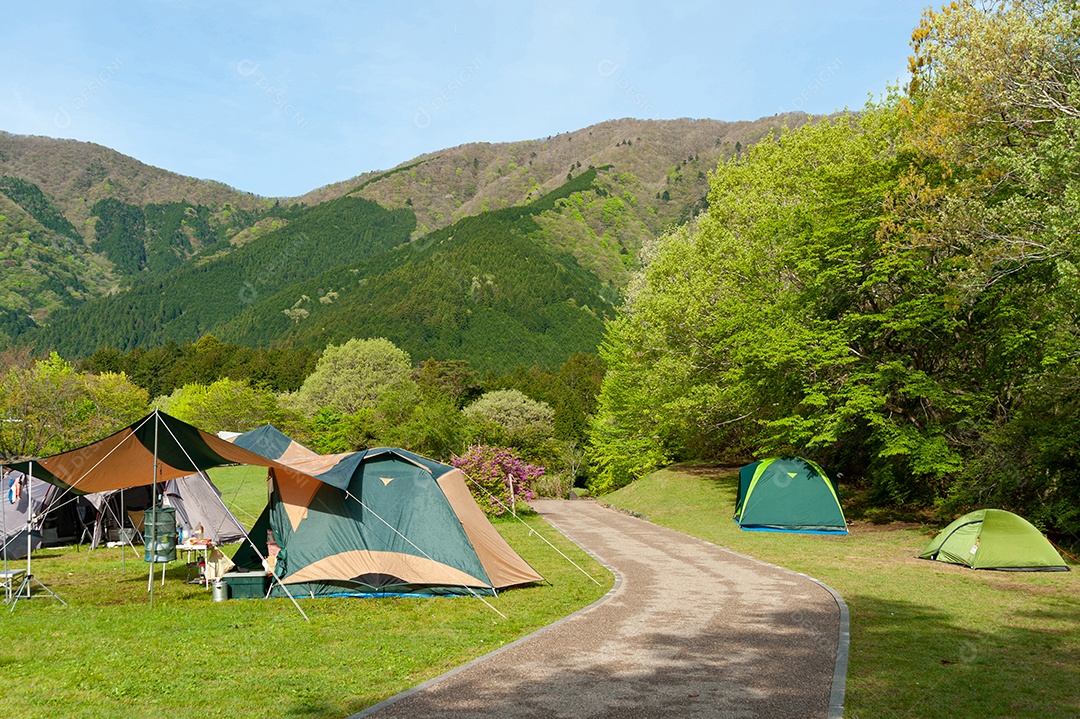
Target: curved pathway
689, 630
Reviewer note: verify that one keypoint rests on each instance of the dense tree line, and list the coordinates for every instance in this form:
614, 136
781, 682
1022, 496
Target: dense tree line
30, 197
486, 290
159, 237
47, 406
161, 370
893, 293
364, 393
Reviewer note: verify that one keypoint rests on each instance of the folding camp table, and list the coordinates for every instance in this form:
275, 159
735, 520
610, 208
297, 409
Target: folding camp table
195, 550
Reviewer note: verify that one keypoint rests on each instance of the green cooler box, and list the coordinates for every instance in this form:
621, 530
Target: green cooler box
245, 585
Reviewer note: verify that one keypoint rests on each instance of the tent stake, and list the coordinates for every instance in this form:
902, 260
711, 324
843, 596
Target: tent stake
153, 504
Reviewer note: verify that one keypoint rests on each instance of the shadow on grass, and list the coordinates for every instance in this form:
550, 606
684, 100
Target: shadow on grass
312, 707
920, 660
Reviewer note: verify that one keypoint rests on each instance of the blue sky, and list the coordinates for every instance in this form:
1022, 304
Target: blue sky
279, 98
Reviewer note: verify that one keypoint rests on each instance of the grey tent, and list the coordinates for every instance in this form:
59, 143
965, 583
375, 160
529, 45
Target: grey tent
15, 511
52, 525
198, 504
63, 518
196, 500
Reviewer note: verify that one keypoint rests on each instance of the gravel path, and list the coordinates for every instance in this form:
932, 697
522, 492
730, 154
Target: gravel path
689, 630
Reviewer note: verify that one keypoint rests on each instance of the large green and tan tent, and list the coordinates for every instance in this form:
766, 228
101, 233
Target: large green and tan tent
378, 521
788, 494
995, 539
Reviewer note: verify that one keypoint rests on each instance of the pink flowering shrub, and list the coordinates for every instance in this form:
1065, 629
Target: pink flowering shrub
491, 471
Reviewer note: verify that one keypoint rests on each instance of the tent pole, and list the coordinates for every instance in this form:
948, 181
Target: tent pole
29, 515
246, 535
153, 503
273, 574
3, 529
3, 522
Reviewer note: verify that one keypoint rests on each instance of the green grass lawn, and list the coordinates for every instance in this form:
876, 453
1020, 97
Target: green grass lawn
109, 654
927, 639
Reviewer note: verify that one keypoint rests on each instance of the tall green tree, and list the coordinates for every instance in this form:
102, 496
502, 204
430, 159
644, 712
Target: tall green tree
224, 404
739, 328
354, 376
509, 418
892, 293
46, 407
994, 99
451, 379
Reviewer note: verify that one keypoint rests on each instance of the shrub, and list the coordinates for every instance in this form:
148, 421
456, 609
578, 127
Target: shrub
555, 485
490, 470
510, 418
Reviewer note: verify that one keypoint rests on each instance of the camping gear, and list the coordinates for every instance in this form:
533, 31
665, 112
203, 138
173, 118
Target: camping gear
788, 494
112, 516
995, 539
159, 535
55, 522
245, 585
150, 451
17, 482
217, 564
377, 521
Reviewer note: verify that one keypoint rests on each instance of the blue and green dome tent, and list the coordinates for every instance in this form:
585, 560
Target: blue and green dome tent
788, 494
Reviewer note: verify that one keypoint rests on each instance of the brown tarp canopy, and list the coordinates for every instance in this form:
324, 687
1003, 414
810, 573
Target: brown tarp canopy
126, 459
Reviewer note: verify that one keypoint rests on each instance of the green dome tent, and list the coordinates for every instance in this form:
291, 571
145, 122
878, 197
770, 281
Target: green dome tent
995, 539
788, 494
375, 522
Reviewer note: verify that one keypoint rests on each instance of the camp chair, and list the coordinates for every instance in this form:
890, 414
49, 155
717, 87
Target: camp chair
137, 519
7, 581
84, 517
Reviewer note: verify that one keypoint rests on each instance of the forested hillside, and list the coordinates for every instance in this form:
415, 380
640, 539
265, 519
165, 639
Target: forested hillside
44, 263
667, 160
79, 221
192, 300
485, 290
76, 175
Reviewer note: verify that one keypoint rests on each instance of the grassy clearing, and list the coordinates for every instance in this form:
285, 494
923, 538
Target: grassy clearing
110, 654
928, 639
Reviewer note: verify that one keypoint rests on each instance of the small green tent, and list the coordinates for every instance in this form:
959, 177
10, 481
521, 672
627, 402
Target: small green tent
788, 494
995, 539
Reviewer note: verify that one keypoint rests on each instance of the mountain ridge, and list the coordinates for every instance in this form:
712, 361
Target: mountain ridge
153, 242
